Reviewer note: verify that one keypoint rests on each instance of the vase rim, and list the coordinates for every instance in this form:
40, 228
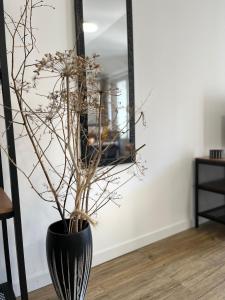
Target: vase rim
87, 225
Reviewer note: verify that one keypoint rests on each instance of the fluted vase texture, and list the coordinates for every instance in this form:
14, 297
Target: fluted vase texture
69, 260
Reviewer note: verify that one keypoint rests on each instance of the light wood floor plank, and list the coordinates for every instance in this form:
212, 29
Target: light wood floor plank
187, 266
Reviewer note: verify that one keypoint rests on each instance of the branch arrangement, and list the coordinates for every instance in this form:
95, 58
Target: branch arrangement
58, 125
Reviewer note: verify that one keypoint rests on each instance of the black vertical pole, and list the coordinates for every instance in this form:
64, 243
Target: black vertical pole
79, 19
5, 231
196, 193
1, 170
6, 251
12, 155
130, 54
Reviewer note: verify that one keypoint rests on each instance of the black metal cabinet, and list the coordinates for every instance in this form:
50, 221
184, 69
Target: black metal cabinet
217, 186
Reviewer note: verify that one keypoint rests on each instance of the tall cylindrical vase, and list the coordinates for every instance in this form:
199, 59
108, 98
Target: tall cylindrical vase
69, 259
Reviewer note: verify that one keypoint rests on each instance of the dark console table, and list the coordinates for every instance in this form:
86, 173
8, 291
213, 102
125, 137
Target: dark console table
214, 185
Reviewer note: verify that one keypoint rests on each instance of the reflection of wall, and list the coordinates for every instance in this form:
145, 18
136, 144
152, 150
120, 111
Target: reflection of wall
110, 41
104, 14
111, 45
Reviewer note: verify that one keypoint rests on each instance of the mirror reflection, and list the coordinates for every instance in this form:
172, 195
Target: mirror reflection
105, 33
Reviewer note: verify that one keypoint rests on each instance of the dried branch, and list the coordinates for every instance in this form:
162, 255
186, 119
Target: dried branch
57, 125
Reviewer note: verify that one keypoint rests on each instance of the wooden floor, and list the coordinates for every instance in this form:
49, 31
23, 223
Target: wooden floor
189, 265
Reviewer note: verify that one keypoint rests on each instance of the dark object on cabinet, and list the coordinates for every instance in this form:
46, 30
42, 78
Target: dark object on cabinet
215, 186
215, 153
8, 208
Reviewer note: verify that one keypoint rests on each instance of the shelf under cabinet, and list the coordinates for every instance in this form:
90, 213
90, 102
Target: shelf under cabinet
217, 186
214, 214
6, 292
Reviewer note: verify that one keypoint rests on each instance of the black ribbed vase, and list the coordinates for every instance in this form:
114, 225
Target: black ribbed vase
69, 260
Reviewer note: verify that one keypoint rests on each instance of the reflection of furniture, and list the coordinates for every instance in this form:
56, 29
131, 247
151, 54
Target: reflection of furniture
10, 209
217, 186
111, 151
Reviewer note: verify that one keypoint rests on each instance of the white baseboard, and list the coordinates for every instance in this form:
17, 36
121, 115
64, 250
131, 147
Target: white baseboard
42, 279
139, 242
34, 282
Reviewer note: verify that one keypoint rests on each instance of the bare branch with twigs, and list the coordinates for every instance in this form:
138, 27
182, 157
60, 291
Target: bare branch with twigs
57, 125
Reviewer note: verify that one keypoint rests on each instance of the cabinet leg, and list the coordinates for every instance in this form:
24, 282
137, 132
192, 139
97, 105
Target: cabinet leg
6, 251
20, 257
196, 194
196, 209
196, 222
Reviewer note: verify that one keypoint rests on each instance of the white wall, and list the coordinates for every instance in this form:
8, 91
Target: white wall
179, 49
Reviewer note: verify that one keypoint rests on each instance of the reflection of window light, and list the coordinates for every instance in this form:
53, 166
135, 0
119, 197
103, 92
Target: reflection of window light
110, 116
122, 116
90, 27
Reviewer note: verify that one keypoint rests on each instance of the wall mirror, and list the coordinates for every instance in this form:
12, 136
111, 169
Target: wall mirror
105, 28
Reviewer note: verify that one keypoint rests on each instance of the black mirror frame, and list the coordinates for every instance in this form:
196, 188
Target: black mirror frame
80, 48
